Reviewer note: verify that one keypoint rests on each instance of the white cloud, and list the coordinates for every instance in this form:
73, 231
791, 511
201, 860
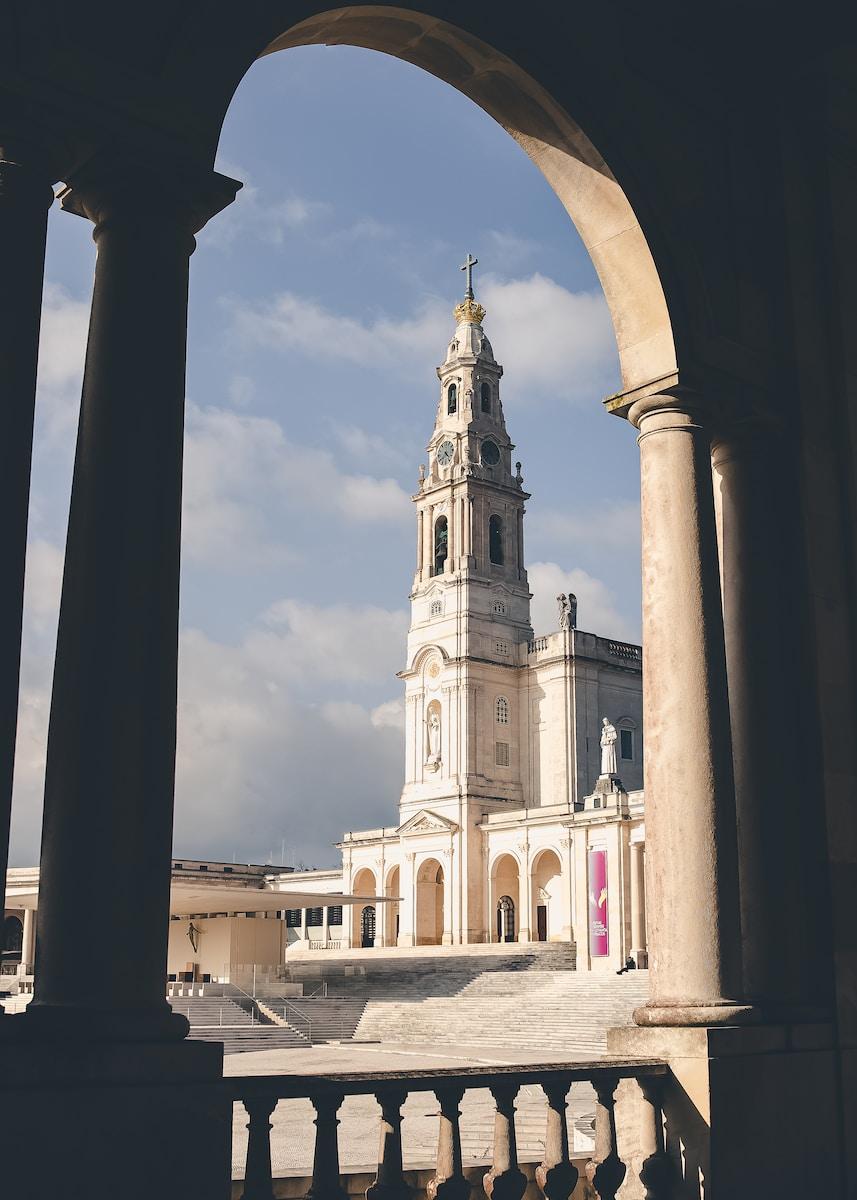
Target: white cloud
337, 641
612, 526
369, 447
62, 349
293, 322
596, 612
389, 715
242, 473
257, 766
553, 343
253, 214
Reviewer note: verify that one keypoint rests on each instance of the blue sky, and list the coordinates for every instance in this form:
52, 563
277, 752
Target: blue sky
320, 305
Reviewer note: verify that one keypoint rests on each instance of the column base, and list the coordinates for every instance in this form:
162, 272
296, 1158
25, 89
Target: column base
127, 1120
729, 1104
41, 1023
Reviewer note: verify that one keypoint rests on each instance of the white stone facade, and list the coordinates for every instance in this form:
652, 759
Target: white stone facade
503, 818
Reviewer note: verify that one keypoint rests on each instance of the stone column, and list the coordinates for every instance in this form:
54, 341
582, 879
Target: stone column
638, 903
781, 853
25, 196
448, 893
111, 745
694, 926
325, 925
525, 895
304, 930
28, 948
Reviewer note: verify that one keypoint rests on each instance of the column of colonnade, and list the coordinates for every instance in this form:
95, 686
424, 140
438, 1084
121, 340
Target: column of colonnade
111, 744
731, 898
693, 914
25, 196
638, 903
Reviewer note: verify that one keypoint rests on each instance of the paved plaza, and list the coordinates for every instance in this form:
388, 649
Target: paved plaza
292, 1136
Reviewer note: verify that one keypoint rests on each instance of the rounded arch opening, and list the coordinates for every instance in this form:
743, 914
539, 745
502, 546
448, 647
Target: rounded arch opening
430, 906
576, 170
548, 901
363, 883
505, 907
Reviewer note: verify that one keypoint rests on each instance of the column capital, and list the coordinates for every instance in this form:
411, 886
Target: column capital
109, 190
673, 406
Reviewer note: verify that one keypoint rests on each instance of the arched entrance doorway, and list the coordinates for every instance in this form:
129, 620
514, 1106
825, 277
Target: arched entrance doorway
13, 939
391, 911
505, 919
367, 927
547, 899
430, 903
362, 884
505, 889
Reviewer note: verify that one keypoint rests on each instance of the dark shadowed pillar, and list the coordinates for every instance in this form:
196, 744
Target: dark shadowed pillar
25, 196
106, 841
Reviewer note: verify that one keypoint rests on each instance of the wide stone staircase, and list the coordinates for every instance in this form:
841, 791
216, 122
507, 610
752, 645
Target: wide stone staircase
534, 1009
221, 1019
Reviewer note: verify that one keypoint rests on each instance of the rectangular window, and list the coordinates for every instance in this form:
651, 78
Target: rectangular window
293, 918
501, 647
314, 917
626, 744
334, 914
501, 754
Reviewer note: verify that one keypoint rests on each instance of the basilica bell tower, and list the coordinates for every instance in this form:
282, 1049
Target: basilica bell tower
470, 603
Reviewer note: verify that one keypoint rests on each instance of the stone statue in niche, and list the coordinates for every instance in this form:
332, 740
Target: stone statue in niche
433, 737
609, 737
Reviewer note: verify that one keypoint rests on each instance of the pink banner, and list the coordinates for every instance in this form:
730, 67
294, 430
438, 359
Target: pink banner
599, 943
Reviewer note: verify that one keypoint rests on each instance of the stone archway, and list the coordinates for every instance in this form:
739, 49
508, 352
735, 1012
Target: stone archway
362, 884
505, 899
549, 899
391, 911
430, 899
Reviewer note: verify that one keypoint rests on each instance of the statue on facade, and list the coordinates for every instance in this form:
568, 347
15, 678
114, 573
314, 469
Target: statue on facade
433, 731
422, 478
609, 737
567, 608
193, 936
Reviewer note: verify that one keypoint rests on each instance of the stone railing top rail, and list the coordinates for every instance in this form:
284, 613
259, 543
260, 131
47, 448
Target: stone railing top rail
355, 1083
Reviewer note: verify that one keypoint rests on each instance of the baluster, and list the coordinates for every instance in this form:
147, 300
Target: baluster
505, 1180
325, 1163
605, 1170
556, 1176
257, 1170
389, 1182
449, 1182
656, 1173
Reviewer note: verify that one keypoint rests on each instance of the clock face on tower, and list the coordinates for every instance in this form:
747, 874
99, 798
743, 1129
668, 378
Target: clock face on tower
445, 453
490, 453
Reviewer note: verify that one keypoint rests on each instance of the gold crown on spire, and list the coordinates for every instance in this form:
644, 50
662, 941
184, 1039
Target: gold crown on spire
469, 310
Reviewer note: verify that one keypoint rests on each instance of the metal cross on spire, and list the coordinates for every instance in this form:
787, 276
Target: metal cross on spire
468, 265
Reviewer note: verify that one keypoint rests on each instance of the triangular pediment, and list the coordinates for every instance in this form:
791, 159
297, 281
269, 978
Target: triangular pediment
426, 821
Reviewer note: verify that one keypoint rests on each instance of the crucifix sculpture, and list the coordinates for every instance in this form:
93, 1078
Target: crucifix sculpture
468, 265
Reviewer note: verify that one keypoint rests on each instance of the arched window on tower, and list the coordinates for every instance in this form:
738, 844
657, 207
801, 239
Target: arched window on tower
502, 710
451, 398
441, 544
495, 539
485, 393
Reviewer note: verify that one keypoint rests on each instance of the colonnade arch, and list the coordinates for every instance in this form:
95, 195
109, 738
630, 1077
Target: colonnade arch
548, 898
505, 899
392, 889
363, 883
431, 886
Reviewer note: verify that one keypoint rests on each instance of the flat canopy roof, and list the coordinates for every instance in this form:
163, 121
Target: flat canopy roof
191, 897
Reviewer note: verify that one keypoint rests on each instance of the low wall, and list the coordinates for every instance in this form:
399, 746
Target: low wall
355, 1183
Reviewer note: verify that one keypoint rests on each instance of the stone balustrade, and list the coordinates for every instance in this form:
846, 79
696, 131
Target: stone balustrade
556, 1177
